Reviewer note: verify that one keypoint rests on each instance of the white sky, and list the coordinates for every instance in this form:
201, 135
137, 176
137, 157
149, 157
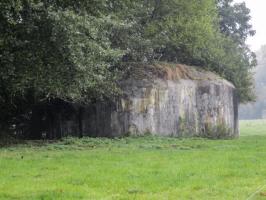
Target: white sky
258, 13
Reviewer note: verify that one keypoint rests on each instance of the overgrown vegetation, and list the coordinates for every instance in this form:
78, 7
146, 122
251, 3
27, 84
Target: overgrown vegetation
137, 168
74, 51
220, 131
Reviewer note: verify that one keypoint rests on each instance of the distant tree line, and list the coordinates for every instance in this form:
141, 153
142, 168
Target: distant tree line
74, 51
257, 110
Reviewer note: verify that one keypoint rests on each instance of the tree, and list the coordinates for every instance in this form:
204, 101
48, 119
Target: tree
54, 50
72, 51
209, 34
235, 26
171, 30
235, 20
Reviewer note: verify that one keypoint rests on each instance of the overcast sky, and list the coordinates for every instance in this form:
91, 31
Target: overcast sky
258, 13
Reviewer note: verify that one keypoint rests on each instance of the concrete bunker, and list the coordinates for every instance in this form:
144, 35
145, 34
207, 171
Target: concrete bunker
161, 99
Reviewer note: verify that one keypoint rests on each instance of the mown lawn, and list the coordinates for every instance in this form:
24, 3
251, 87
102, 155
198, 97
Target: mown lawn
138, 168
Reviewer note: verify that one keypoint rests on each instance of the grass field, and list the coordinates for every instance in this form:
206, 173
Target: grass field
138, 168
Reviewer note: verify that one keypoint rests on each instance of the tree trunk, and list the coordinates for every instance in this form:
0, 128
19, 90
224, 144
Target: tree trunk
80, 117
36, 124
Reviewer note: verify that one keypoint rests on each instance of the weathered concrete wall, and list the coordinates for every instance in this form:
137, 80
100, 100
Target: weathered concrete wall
170, 102
176, 108
166, 101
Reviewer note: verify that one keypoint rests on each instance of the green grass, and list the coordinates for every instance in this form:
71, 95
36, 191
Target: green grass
138, 168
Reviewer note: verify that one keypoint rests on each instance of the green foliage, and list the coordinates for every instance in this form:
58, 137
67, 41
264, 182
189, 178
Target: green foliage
235, 63
220, 131
54, 50
209, 34
171, 30
235, 20
238, 60
74, 50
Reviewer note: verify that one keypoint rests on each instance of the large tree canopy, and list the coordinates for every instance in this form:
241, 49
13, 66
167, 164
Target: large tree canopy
209, 34
57, 49
235, 20
73, 50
